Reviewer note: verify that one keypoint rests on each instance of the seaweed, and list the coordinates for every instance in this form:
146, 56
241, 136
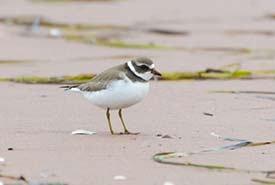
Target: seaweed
29, 20
266, 182
169, 157
52, 80
208, 74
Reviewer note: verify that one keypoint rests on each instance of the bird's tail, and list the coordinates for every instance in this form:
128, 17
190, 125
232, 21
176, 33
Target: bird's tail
70, 88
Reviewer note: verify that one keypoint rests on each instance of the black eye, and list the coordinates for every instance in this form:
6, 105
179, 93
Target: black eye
144, 67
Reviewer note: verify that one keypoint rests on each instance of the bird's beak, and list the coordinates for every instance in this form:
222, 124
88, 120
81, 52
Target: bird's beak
155, 72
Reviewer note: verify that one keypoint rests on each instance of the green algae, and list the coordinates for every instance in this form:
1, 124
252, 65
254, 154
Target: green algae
42, 22
250, 32
265, 72
85, 78
207, 74
4, 79
170, 157
266, 182
78, 28
121, 44
28, 20
179, 76
164, 159
37, 80
81, 38
66, 1
221, 49
92, 39
52, 80
240, 74
9, 61
66, 28
177, 158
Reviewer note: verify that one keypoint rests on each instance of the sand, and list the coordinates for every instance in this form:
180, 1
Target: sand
36, 121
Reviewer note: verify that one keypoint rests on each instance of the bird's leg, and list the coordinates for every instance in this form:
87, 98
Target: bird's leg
126, 131
121, 119
109, 121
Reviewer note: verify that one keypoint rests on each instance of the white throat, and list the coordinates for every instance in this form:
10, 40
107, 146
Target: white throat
145, 76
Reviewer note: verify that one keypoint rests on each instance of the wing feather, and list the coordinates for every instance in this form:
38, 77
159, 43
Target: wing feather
102, 80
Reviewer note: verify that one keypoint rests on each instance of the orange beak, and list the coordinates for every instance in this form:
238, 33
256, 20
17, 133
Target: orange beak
155, 72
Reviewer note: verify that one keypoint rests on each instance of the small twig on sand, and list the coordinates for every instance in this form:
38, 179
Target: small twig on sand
20, 178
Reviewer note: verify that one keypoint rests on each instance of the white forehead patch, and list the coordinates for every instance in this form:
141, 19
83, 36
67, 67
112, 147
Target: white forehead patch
145, 76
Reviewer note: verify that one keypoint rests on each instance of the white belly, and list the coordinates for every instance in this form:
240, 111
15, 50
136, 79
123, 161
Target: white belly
119, 94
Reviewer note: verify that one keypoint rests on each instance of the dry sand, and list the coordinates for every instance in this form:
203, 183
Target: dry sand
37, 120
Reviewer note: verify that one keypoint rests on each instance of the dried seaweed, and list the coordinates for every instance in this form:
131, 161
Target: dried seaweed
169, 157
245, 92
250, 32
51, 80
10, 177
263, 181
66, 1
201, 75
23, 180
29, 20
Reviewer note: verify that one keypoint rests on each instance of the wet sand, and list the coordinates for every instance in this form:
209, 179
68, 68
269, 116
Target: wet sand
37, 122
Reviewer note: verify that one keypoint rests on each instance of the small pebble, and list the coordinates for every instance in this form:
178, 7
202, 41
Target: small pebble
158, 135
55, 32
2, 160
10, 148
168, 183
83, 132
119, 177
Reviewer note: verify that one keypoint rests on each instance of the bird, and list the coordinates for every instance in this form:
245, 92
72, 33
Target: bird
119, 87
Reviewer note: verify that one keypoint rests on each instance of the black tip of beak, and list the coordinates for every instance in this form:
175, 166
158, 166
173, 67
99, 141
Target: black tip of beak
155, 72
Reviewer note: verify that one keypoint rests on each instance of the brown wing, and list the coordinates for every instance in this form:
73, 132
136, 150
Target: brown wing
102, 80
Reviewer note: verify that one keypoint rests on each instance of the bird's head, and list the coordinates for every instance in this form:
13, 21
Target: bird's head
143, 67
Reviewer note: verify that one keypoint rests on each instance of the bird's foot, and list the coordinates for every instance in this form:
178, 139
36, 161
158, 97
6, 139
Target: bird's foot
126, 132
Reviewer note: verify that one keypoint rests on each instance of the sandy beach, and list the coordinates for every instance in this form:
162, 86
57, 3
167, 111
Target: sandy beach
37, 120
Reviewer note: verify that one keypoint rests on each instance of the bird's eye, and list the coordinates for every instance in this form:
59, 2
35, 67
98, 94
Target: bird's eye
144, 67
